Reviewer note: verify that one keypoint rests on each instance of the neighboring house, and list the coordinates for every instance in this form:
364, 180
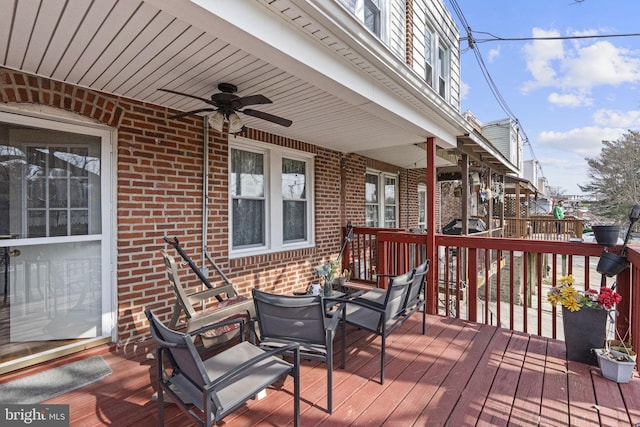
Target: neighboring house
95, 172
505, 135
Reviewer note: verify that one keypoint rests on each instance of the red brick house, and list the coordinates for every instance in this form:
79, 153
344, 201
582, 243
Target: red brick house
96, 172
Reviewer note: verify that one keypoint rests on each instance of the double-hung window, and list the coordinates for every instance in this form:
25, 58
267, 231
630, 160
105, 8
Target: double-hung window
437, 63
271, 205
367, 11
381, 200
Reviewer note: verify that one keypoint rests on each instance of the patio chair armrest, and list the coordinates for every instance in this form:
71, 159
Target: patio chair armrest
292, 347
362, 303
253, 335
336, 316
210, 293
380, 276
221, 324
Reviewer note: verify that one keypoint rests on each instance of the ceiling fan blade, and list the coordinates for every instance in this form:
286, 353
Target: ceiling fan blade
188, 113
250, 100
268, 117
208, 101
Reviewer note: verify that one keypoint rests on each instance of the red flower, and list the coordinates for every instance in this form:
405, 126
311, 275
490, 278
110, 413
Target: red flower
608, 298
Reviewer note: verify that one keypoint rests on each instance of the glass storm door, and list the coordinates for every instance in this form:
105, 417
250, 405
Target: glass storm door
55, 269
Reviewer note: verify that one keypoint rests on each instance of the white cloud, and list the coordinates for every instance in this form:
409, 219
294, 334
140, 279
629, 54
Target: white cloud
586, 141
570, 99
600, 64
540, 56
464, 90
623, 119
493, 54
578, 65
565, 172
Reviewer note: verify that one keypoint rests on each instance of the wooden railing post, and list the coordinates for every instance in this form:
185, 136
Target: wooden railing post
623, 287
381, 261
472, 286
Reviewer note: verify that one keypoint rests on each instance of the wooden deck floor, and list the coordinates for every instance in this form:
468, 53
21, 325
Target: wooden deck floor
458, 374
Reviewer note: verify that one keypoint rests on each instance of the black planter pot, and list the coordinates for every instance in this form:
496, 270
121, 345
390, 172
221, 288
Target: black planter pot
611, 264
606, 235
583, 330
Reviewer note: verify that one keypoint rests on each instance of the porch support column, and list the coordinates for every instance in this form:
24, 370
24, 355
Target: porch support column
431, 289
502, 205
519, 228
464, 171
489, 217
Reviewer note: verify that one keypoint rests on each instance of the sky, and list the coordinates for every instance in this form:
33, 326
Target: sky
568, 95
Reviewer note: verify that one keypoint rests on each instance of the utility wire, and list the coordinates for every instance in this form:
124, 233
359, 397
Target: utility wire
498, 38
490, 82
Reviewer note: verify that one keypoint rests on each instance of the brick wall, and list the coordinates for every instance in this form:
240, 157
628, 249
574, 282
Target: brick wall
409, 197
451, 201
159, 193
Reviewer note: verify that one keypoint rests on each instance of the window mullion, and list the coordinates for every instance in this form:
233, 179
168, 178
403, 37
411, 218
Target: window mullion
274, 200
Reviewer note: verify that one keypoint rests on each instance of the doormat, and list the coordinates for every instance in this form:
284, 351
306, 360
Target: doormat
45, 385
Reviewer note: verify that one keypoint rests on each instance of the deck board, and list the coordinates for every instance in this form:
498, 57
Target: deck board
526, 406
554, 404
496, 411
459, 373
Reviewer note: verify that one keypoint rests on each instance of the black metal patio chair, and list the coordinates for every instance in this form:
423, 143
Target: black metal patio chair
284, 319
208, 390
381, 311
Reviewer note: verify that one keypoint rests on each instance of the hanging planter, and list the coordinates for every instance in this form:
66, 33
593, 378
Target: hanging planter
611, 264
606, 235
616, 360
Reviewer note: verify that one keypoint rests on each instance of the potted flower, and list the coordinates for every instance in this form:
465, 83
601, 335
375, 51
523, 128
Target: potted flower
584, 317
327, 272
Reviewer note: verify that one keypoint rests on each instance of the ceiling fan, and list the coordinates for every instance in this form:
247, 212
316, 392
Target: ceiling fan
226, 104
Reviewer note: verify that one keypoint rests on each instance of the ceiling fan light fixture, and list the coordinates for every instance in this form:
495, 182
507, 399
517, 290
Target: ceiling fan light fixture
216, 121
235, 124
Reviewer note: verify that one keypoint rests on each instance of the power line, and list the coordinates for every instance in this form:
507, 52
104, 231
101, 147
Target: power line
490, 82
498, 38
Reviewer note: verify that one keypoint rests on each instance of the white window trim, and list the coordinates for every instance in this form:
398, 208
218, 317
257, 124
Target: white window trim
422, 188
447, 70
381, 196
273, 155
358, 12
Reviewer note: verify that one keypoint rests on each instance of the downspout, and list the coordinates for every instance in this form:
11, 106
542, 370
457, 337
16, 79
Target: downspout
205, 190
205, 205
